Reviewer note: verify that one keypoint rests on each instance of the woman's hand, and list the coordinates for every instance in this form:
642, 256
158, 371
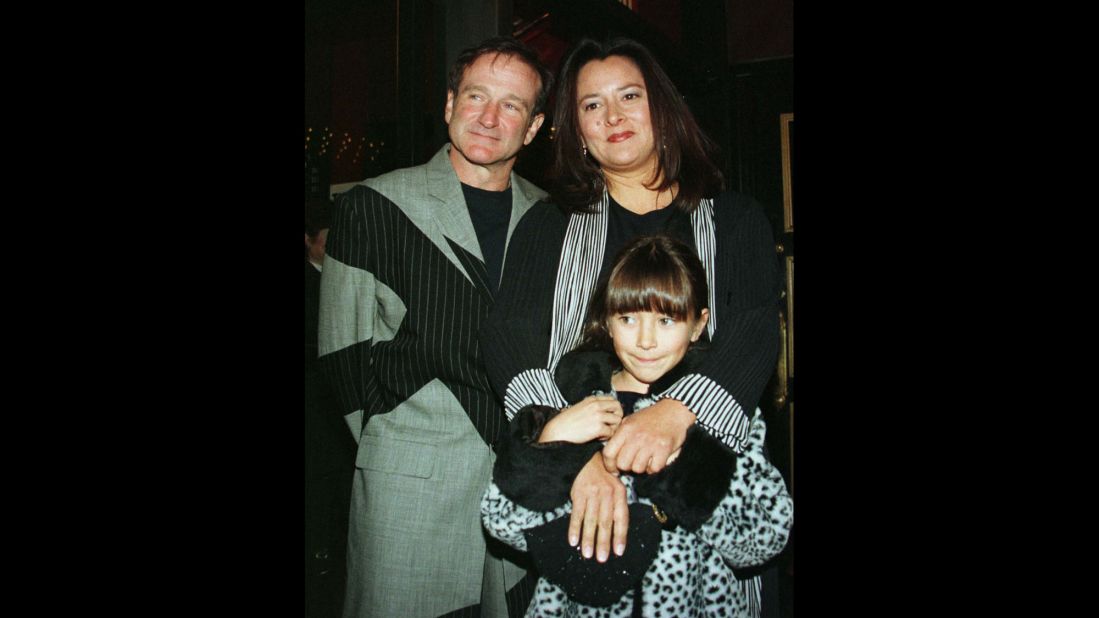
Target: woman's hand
648, 439
599, 511
593, 418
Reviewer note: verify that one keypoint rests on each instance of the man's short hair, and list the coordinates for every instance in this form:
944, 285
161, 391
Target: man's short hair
318, 214
508, 46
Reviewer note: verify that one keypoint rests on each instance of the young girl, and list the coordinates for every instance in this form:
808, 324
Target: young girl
707, 513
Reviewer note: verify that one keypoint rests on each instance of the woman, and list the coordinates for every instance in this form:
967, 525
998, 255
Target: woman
631, 161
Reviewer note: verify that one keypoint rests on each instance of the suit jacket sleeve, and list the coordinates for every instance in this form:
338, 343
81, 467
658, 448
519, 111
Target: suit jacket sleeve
726, 387
348, 308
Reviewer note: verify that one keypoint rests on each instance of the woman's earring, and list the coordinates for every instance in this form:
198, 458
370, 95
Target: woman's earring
585, 147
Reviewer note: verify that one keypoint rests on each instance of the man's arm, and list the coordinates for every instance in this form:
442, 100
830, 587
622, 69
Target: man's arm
348, 305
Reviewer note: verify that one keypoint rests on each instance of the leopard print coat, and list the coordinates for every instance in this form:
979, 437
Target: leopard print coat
737, 514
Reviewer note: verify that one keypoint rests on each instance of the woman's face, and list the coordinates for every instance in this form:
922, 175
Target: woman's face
613, 112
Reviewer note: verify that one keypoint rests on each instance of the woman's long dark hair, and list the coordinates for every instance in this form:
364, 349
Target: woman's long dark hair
685, 154
652, 273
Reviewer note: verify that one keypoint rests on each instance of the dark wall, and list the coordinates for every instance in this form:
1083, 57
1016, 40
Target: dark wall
759, 29
375, 75
371, 75
759, 93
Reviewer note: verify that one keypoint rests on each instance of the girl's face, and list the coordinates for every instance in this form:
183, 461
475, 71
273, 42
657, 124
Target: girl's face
649, 344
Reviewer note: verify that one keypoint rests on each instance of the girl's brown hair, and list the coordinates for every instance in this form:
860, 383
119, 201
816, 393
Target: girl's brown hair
652, 273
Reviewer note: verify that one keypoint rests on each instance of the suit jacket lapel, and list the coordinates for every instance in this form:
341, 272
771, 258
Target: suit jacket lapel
475, 270
449, 211
434, 202
432, 199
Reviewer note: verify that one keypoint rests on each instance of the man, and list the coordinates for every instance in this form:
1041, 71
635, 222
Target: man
318, 218
413, 260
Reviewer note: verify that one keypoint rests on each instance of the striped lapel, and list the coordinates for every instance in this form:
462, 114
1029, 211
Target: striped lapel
432, 199
581, 259
448, 210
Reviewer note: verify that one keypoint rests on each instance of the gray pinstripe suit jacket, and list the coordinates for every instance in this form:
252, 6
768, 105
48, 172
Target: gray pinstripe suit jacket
403, 295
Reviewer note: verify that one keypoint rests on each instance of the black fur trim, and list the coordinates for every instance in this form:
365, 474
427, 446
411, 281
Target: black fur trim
538, 476
694, 484
582, 372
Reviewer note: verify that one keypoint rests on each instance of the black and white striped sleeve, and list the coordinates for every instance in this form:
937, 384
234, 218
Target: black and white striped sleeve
725, 389
533, 386
716, 410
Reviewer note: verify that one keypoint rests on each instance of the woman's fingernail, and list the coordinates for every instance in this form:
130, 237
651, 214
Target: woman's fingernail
573, 540
620, 549
587, 551
602, 555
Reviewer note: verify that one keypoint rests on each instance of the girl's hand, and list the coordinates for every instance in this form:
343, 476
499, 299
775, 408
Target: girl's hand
594, 417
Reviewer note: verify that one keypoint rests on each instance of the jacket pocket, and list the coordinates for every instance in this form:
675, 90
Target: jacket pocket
396, 456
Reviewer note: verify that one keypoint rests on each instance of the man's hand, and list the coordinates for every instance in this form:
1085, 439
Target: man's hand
598, 509
645, 440
593, 418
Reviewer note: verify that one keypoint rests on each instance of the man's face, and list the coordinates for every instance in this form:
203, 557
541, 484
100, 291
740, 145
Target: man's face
489, 118
315, 245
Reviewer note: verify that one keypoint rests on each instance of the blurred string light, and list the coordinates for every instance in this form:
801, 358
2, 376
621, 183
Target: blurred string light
317, 141
323, 141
